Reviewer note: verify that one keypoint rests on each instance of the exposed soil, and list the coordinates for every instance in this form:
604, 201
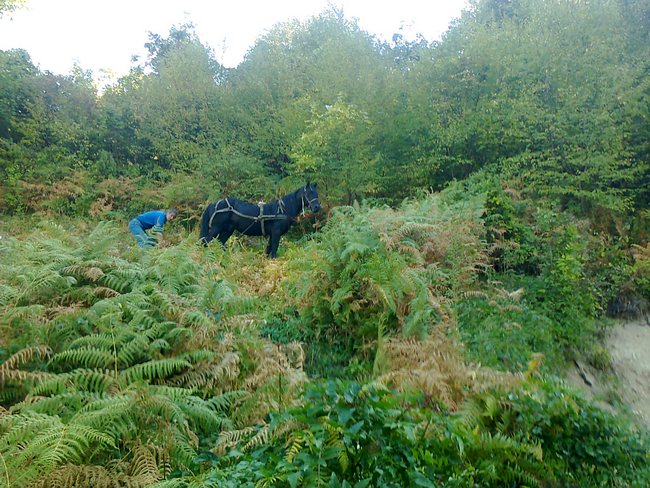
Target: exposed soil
629, 348
628, 345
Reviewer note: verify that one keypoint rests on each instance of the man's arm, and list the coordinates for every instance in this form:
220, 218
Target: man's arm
158, 229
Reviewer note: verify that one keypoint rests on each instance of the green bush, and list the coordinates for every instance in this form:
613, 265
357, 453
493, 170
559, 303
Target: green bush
348, 434
503, 335
583, 444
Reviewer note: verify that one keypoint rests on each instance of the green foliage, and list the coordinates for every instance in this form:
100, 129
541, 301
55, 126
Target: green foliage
124, 368
348, 434
148, 367
374, 269
502, 332
514, 243
131, 358
10, 5
334, 150
345, 435
581, 443
555, 277
548, 93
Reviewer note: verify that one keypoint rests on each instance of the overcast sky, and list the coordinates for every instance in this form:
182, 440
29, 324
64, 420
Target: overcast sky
104, 34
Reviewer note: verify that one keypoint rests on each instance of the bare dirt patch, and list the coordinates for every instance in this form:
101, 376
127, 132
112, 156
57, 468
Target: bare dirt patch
629, 347
628, 344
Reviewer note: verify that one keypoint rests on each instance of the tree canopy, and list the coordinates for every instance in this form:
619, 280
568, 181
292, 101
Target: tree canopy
552, 95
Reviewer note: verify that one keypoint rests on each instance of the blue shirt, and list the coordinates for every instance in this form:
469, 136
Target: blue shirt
155, 219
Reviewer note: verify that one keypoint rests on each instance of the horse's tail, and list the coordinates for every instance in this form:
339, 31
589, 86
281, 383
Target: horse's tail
205, 224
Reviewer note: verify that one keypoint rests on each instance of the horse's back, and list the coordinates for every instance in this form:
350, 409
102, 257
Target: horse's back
241, 206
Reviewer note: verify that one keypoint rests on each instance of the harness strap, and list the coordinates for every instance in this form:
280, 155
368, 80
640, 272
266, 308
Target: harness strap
281, 214
260, 217
226, 209
309, 202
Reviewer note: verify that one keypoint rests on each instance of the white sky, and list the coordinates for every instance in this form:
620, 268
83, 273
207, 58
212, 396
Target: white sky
102, 35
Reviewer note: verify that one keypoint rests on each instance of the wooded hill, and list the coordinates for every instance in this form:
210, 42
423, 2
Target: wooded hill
486, 214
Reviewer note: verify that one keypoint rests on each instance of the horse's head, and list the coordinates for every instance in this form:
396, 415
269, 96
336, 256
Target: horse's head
309, 197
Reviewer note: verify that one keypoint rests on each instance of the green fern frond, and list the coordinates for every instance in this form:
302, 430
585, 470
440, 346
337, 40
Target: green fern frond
513, 460
159, 346
196, 318
183, 453
335, 440
232, 438
51, 445
273, 480
199, 356
295, 444
141, 317
122, 280
260, 438
220, 371
155, 369
172, 483
40, 284
98, 341
63, 405
132, 351
34, 312
171, 392
87, 357
164, 329
227, 400
163, 302
203, 417
89, 380
115, 414
99, 241
18, 427
8, 295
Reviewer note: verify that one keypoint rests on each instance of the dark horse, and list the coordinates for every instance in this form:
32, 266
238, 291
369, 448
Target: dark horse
272, 219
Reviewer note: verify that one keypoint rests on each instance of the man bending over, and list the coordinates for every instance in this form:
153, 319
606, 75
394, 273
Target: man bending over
155, 220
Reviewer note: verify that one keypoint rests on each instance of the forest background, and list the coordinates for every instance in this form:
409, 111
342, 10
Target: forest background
486, 209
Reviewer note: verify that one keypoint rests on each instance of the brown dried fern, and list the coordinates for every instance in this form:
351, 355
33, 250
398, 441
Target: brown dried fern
145, 463
436, 367
75, 476
232, 438
217, 376
25, 356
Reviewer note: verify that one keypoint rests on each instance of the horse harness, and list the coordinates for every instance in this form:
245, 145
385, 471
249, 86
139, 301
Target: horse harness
279, 215
309, 202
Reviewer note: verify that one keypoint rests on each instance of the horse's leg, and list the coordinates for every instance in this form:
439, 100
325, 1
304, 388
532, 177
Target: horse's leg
225, 234
211, 229
268, 246
214, 232
274, 242
204, 235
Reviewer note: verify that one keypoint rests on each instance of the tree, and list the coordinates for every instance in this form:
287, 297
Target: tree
547, 89
335, 150
10, 5
298, 66
178, 104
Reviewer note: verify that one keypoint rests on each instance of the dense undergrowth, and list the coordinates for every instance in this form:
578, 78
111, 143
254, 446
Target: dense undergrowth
412, 342
417, 346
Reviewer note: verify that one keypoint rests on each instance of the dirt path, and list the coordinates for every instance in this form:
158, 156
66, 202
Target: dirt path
629, 348
628, 345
